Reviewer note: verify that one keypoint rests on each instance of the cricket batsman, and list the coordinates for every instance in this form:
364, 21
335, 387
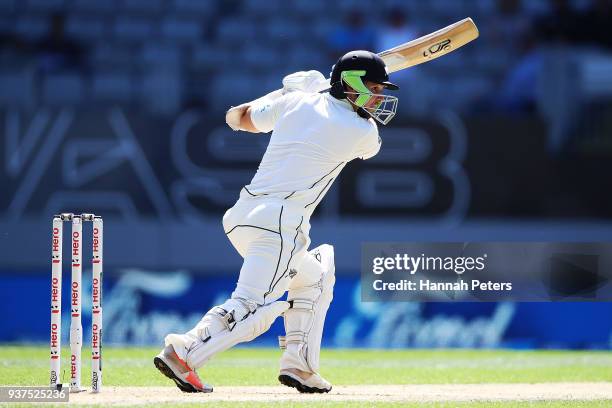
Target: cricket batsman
314, 135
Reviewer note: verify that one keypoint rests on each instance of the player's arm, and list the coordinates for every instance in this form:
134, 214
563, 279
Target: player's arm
266, 108
239, 118
247, 123
258, 116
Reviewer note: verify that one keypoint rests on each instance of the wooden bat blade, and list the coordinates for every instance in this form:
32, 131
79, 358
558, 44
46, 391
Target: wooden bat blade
430, 46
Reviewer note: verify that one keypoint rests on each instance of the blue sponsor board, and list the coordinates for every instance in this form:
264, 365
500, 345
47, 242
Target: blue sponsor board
142, 306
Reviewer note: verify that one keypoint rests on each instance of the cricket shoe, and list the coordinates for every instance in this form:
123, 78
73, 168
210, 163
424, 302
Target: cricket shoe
175, 368
314, 384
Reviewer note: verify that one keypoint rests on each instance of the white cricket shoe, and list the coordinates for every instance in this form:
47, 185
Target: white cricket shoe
314, 384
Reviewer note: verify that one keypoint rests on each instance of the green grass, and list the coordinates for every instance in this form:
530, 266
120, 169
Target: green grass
257, 366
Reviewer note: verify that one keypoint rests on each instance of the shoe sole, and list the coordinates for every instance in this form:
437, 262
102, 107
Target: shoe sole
292, 382
167, 371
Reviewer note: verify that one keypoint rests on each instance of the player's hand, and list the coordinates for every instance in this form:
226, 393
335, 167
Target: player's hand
305, 81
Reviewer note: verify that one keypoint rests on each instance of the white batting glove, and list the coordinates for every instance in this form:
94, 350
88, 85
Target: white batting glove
234, 114
305, 81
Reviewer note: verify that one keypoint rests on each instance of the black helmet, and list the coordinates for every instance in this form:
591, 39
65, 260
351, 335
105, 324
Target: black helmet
353, 69
366, 61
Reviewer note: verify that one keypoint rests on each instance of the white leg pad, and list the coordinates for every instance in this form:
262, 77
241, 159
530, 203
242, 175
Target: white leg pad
309, 304
222, 317
198, 350
216, 320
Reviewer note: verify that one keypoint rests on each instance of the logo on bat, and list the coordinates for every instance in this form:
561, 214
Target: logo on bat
437, 47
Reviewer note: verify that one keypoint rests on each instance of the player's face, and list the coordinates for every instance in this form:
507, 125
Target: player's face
375, 89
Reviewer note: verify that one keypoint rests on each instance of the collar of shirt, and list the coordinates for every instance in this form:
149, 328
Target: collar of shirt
340, 102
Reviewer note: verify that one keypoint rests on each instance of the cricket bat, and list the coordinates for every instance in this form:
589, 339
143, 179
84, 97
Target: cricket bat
426, 48
430, 46
409, 54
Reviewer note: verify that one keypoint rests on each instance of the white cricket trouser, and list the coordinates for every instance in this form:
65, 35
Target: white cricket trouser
271, 234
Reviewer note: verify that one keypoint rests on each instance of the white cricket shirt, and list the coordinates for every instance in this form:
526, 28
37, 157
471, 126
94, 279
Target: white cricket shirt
313, 137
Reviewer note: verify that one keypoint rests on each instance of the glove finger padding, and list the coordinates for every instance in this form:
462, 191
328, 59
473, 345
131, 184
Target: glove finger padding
305, 81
